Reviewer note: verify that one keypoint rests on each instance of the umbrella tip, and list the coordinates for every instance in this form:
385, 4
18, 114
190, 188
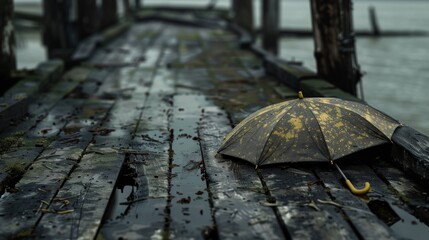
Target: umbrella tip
300, 95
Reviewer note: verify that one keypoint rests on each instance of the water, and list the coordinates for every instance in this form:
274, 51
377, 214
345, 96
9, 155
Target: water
396, 69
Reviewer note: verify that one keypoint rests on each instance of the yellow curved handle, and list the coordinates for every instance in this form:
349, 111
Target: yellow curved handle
354, 190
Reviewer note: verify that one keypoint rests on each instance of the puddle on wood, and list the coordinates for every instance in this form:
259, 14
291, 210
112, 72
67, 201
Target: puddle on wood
117, 210
410, 227
189, 208
402, 223
124, 193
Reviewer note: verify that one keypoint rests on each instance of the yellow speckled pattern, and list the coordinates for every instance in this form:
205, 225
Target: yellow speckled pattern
308, 130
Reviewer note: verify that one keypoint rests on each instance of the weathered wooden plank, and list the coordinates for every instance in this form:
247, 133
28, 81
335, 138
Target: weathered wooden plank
320, 88
297, 192
397, 209
15, 102
13, 109
86, 48
145, 212
189, 80
22, 147
50, 72
189, 209
44, 102
125, 83
362, 219
290, 74
405, 188
55, 164
411, 152
94, 80
88, 190
89, 184
130, 49
235, 188
94, 177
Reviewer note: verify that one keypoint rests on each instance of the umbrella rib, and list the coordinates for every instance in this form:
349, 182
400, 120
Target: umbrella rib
272, 130
321, 132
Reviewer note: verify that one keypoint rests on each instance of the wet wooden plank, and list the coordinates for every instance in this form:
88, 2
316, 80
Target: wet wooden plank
94, 177
189, 208
125, 83
406, 188
13, 109
44, 102
362, 219
189, 80
128, 50
55, 164
15, 102
26, 144
235, 188
145, 213
400, 210
297, 192
88, 190
92, 83
411, 152
86, 48
113, 136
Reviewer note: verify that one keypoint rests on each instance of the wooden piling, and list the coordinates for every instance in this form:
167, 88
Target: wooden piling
270, 25
87, 17
109, 13
138, 4
7, 44
373, 20
243, 14
60, 35
334, 43
127, 8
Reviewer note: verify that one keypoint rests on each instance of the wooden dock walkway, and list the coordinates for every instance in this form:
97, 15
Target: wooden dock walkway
123, 146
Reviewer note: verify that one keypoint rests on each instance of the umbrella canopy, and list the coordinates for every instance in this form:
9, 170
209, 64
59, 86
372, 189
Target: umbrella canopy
308, 130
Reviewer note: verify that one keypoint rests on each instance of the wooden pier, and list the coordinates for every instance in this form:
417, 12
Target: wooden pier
123, 146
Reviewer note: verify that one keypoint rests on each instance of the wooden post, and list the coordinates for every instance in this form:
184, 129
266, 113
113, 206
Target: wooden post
243, 14
127, 8
334, 43
373, 20
270, 25
7, 44
87, 17
138, 4
109, 13
59, 33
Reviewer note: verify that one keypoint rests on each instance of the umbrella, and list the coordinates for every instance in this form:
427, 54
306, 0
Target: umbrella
309, 130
